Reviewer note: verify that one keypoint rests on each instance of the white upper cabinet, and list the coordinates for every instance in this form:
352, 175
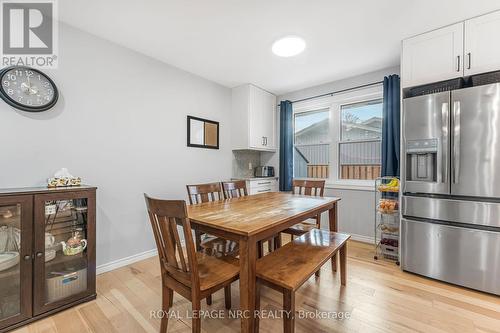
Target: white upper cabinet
253, 119
433, 56
461, 49
482, 50
269, 120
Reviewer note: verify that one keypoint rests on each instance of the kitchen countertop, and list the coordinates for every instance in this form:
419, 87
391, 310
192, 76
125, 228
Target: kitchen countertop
253, 178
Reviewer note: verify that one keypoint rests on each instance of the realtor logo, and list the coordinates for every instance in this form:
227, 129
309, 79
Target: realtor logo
29, 33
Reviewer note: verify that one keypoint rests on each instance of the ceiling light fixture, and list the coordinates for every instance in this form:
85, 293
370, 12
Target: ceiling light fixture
288, 46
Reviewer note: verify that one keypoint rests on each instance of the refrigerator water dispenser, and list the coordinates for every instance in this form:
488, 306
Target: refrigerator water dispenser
421, 158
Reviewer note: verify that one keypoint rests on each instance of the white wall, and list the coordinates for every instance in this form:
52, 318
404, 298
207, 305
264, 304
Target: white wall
340, 84
357, 207
120, 124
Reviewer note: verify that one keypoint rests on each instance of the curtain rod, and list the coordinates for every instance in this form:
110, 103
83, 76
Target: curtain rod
338, 91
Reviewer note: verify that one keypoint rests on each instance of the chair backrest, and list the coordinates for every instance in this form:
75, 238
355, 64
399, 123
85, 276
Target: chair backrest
204, 193
165, 216
308, 187
234, 189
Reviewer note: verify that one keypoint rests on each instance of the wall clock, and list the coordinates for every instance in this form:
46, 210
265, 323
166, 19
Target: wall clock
27, 89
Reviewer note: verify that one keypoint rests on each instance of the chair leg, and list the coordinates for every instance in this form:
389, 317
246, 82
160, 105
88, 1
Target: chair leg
167, 298
257, 306
227, 296
289, 315
171, 300
196, 321
260, 249
197, 237
209, 300
270, 245
317, 272
277, 241
343, 266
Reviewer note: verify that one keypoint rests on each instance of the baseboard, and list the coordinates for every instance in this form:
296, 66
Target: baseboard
125, 261
151, 253
361, 238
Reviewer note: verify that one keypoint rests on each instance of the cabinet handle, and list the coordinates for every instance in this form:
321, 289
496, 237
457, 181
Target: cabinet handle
458, 63
27, 257
264, 183
469, 61
265, 141
266, 190
39, 254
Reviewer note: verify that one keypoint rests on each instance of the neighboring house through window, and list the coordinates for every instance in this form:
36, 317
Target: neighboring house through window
360, 140
338, 138
312, 144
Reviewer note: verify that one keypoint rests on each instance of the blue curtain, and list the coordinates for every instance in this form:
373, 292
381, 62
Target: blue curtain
286, 146
390, 126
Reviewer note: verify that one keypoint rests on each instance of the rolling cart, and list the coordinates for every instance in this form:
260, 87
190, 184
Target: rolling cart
387, 219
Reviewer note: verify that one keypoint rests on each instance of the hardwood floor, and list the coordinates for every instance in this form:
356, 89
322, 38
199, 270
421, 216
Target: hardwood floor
378, 297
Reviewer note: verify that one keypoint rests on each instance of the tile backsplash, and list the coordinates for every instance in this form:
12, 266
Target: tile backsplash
241, 161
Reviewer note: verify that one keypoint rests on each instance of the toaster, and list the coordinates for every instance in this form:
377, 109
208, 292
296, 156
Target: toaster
264, 171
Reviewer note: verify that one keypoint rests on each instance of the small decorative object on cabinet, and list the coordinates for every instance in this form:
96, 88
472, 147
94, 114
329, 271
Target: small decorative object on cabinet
387, 218
47, 252
63, 178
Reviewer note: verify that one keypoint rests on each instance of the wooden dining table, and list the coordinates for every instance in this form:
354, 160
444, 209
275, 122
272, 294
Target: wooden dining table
250, 219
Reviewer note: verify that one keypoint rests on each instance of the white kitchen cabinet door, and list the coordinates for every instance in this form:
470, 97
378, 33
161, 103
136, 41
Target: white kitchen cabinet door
434, 56
269, 121
254, 119
482, 51
256, 115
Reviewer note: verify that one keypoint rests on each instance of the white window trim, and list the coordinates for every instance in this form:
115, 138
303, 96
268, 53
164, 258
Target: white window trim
334, 103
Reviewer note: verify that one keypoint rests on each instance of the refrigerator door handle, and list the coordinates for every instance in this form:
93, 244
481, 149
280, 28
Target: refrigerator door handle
442, 176
456, 141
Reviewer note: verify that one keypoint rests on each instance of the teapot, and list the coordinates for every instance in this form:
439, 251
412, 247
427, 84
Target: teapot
74, 245
49, 240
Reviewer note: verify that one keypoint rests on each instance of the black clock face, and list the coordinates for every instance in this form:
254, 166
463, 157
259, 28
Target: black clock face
27, 89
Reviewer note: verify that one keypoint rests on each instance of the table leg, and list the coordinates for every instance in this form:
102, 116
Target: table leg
332, 219
248, 257
343, 264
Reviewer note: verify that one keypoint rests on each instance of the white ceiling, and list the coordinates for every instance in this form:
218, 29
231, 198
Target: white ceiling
229, 41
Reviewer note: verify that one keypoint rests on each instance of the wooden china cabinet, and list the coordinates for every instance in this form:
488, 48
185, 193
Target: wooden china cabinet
47, 252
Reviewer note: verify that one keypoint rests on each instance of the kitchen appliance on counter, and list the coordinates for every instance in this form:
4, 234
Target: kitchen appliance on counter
264, 171
451, 186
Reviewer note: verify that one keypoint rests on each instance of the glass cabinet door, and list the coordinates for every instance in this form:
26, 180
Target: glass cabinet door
64, 249
15, 259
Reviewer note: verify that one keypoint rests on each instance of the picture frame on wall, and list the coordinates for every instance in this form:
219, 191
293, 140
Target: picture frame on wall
202, 133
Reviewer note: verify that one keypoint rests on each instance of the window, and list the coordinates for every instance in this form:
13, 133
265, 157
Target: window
311, 156
360, 140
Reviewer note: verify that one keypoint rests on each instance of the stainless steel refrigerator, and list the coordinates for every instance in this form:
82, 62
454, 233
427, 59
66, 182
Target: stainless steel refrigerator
450, 172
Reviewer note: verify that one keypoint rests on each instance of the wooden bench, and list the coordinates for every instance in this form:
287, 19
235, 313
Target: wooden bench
290, 266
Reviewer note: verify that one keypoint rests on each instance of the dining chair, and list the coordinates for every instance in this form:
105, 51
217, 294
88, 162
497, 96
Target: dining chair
234, 189
191, 274
312, 188
238, 188
212, 245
